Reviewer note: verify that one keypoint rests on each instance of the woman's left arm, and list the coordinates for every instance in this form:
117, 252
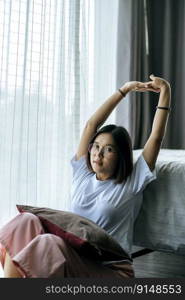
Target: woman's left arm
153, 144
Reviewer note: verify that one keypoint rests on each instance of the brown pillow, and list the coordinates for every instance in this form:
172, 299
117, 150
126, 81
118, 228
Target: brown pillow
82, 234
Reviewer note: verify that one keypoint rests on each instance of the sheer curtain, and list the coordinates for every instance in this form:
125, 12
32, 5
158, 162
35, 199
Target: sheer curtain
56, 67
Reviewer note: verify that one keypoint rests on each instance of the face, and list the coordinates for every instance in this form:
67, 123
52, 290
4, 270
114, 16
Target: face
104, 156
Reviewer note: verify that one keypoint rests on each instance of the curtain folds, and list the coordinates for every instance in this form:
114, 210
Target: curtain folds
56, 68
123, 58
167, 47
39, 89
133, 64
156, 46
59, 60
136, 113
41, 66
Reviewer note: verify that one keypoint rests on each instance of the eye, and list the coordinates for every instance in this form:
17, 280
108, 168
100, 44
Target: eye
96, 146
109, 149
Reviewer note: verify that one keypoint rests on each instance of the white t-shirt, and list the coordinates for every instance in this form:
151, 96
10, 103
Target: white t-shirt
113, 207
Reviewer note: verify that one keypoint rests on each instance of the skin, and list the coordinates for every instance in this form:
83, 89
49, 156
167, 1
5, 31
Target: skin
103, 166
153, 144
151, 149
10, 270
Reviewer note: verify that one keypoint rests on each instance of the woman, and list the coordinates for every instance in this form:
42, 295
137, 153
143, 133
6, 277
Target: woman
106, 189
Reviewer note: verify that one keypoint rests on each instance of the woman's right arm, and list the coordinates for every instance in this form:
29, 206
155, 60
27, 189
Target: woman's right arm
102, 113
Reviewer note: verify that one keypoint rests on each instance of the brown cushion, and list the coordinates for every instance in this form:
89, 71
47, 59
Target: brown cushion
82, 234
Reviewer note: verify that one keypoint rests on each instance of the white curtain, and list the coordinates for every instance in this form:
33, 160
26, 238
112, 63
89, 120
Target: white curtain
57, 64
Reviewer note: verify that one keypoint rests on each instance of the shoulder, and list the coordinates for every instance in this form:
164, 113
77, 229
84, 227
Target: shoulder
79, 167
76, 163
141, 167
141, 175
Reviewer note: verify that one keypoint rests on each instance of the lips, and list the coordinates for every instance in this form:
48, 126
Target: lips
97, 162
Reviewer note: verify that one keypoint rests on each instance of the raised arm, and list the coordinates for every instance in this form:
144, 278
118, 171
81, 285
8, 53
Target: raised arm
153, 144
102, 113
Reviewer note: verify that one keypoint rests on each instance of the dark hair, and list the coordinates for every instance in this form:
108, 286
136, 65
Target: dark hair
125, 155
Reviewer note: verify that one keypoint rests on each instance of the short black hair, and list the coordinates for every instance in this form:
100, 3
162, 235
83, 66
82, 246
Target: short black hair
123, 143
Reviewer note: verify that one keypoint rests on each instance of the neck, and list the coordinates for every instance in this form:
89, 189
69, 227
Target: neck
102, 176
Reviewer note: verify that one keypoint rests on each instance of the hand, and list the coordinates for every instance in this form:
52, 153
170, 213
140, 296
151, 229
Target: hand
138, 86
156, 84
133, 86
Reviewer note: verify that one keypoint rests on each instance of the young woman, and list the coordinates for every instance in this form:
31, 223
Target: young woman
106, 189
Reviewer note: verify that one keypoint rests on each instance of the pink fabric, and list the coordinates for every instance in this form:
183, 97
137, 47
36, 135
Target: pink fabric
80, 233
18, 233
42, 255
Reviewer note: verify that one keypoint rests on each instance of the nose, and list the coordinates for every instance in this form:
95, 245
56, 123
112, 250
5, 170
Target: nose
100, 152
